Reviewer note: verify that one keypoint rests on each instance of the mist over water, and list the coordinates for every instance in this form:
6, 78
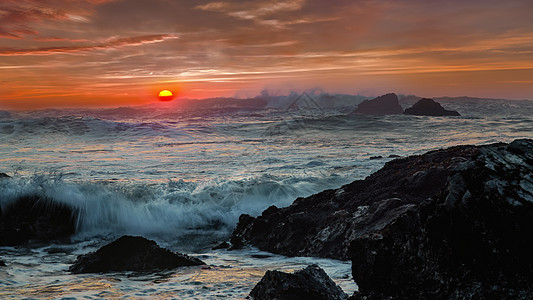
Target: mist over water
183, 177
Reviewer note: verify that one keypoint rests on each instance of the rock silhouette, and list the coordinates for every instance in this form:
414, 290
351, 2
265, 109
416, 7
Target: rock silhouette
311, 283
382, 105
131, 253
36, 218
449, 224
429, 107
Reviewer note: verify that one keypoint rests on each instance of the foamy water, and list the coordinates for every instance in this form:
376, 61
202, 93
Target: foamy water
184, 177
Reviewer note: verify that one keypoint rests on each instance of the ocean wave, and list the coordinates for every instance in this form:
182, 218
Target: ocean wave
73, 126
173, 210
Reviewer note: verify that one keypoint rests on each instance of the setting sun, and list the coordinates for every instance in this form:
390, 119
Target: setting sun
165, 95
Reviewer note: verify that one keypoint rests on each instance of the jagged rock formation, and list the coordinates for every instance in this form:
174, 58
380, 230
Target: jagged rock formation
130, 253
35, 218
429, 107
382, 105
311, 283
324, 224
473, 240
449, 224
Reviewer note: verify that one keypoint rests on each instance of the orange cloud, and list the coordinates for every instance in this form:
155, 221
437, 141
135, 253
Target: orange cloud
232, 45
112, 44
14, 21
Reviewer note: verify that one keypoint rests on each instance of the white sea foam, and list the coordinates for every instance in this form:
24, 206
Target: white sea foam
165, 210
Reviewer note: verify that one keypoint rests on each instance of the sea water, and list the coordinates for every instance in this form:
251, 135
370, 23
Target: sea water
184, 176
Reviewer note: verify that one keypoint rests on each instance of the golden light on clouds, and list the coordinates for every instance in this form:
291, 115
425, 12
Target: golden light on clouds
96, 49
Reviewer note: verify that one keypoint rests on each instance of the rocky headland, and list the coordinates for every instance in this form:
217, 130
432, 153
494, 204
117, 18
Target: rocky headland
455, 223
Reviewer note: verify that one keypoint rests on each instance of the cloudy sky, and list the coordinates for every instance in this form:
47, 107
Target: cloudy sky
56, 53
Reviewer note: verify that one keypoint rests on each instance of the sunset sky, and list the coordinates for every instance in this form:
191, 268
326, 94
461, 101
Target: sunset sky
57, 53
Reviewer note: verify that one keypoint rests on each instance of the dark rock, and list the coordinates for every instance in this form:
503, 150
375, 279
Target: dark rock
394, 156
56, 250
472, 240
223, 245
376, 157
428, 107
382, 105
4, 175
36, 218
240, 234
449, 224
261, 256
130, 253
324, 224
311, 283
2, 263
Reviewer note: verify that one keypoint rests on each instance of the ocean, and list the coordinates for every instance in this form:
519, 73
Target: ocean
183, 176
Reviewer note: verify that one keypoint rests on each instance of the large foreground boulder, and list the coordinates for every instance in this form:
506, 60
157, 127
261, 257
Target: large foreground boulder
311, 283
429, 107
473, 240
131, 253
449, 224
382, 105
35, 218
324, 224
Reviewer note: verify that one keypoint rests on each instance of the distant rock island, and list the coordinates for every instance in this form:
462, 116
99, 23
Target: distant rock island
429, 107
455, 223
383, 105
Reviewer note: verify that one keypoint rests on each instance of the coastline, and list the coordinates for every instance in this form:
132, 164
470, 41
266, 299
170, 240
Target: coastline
396, 194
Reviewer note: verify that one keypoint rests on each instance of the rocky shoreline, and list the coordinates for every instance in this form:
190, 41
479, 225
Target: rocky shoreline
449, 224
454, 223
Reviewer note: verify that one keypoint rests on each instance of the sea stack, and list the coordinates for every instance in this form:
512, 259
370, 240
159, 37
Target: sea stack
429, 107
382, 105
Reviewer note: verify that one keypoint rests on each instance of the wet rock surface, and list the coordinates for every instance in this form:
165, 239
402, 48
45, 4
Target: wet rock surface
429, 107
449, 224
35, 218
383, 105
324, 224
311, 283
473, 240
131, 253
